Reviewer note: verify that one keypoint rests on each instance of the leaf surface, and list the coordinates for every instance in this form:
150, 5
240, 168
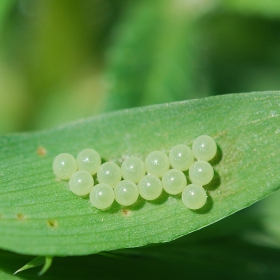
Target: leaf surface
40, 216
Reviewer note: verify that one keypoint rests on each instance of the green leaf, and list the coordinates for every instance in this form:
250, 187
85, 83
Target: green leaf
156, 56
37, 261
40, 217
5, 8
269, 8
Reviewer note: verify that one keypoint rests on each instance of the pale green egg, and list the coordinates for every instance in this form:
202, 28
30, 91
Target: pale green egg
64, 165
102, 196
133, 169
150, 187
126, 193
201, 172
109, 173
157, 163
89, 160
181, 157
204, 148
81, 183
174, 181
194, 196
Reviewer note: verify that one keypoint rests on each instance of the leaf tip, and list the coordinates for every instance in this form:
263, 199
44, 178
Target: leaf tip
37, 261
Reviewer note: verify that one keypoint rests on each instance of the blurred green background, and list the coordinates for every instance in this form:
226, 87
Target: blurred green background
61, 60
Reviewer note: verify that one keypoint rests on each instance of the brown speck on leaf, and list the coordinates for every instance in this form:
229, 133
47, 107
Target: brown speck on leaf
52, 223
41, 151
20, 216
125, 212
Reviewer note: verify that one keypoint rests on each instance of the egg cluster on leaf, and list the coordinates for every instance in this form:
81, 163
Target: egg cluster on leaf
145, 178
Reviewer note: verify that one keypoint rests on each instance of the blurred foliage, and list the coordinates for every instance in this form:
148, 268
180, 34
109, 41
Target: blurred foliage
61, 60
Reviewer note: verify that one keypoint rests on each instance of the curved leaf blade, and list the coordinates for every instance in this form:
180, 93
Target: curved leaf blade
37, 261
39, 216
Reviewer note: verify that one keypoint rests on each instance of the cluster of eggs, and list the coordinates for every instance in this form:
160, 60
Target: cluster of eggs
145, 178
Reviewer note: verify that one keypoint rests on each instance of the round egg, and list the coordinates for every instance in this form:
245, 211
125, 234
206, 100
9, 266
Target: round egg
126, 193
81, 183
201, 172
150, 187
194, 196
109, 173
89, 160
181, 157
133, 169
204, 148
174, 181
64, 165
102, 196
157, 163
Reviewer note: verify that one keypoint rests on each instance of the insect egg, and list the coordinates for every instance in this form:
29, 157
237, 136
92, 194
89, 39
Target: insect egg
133, 169
126, 193
81, 183
102, 196
89, 160
157, 163
109, 173
150, 187
204, 147
174, 181
181, 157
201, 172
194, 196
64, 165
